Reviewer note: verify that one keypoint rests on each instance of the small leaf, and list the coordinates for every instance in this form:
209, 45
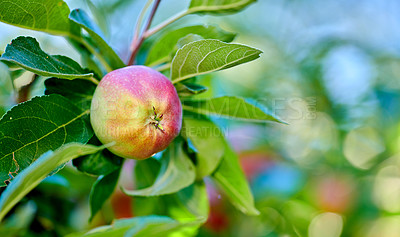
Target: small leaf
218, 6
100, 163
205, 56
30, 129
102, 190
232, 180
144, 226
29, 178
208, 140
177, 172
81, 18
16, 73
26, 52
49, 16
231, 107
78, 91
161, 50
189, 89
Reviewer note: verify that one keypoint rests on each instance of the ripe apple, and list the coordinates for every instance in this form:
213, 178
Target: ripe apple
138, 109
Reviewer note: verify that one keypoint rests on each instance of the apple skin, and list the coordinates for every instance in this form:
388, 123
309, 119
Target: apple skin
138, 109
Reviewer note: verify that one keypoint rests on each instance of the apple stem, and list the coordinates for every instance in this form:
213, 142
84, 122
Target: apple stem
138, 41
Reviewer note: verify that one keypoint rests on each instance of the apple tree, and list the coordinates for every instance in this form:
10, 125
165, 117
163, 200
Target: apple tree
38, 137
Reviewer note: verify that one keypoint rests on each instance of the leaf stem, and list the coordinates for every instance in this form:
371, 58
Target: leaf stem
98, 55
163, 67
94, 80
167, 22
137, 42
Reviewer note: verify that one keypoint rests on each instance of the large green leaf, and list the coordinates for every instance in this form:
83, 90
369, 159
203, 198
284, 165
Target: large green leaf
29, 178
231, 107
30, 129
26, 52
154, 226
208, 140
82, 19
218, 6
102, 190
161, 50
177, 172
232, 180
50, 16
209, 55
78, 91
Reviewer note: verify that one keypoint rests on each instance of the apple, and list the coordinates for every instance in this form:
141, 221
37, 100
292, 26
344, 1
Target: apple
137, 109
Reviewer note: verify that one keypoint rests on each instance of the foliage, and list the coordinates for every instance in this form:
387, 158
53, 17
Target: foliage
39, 136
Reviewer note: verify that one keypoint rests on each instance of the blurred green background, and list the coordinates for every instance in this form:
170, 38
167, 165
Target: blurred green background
330, 68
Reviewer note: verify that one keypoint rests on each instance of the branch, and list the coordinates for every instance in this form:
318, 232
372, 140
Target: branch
136, 43
24, 91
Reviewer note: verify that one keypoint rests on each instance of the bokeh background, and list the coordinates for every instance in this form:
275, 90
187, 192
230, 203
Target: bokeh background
330, 68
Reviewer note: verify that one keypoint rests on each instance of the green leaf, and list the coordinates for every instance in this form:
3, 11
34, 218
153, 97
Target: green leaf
16, 73
6, 86
189, 203
189, 89
26, 52
87, 60
49, 16
218, 6
205, 56
185, 40
154, 226
30, 129
208, 140
177, 172
102, 190
232, 180
29, 178
78, 91
146, 172
161, 51
231, 107
82, 19
100, 163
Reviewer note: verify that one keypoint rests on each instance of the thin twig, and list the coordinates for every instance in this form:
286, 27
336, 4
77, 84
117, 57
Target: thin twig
138, 43
171, 20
